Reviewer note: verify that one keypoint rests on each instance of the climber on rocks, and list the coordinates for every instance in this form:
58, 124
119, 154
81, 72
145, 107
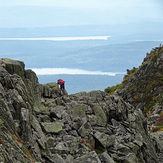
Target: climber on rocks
62, 86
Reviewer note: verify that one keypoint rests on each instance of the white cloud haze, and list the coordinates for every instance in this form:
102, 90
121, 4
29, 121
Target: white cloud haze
35, 13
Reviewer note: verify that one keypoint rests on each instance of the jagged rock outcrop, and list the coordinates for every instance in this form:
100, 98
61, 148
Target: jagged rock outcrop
39, 125
143, 88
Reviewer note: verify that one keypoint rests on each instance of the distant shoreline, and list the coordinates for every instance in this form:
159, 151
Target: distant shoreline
59, 38
69, 71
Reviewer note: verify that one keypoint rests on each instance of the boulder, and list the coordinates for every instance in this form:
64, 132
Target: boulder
91, 157
104, 139
58, 159
50, 142
60, 148
54, 127
131, 158
38, 134
105, 158
13, 66
101, 116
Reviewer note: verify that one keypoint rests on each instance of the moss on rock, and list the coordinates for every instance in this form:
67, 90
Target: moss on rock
52, 127
1, 121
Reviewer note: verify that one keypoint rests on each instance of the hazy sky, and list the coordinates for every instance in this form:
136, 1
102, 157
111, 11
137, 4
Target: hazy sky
83, 3
39, 13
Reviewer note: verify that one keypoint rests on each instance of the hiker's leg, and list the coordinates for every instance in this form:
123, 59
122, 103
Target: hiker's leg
65, 92
63, 89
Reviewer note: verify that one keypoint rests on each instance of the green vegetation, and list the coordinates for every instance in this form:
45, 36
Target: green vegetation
99, 151
133, 70
111, 90
52, 84
28, 153
1, 121
148, 91
145, 89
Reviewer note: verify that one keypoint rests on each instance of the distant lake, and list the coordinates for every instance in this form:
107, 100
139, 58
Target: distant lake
83, 83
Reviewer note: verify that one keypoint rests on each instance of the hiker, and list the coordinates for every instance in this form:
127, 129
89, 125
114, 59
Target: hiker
62, 86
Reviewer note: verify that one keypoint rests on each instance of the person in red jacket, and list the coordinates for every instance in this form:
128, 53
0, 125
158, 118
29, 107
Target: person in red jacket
62, 86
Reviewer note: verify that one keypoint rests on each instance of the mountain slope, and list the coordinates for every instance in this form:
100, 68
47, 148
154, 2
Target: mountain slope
143, 86
39, 125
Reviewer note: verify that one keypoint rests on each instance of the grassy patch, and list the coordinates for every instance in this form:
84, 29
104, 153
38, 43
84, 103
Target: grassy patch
111, 90
157, 129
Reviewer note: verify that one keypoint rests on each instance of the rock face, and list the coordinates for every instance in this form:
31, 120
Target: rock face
39, 125
143, 87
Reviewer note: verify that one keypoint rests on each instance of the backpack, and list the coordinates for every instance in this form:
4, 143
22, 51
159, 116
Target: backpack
60, 81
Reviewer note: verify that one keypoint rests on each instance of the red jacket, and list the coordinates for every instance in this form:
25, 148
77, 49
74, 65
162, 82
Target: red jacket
61, 82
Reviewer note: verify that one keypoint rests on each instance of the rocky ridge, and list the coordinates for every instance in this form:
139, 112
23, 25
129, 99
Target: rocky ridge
143, 88
37, 124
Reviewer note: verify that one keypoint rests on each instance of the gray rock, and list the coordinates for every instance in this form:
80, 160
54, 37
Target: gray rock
13, 66
91, 157
69, 159
122, 148
152, 119
101, 116
158, 136
25, 124
52, 127
105, 140
40, 136
58, 159
138, 139
131, 158
50, 142
105, 158
75, 126
61, 149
